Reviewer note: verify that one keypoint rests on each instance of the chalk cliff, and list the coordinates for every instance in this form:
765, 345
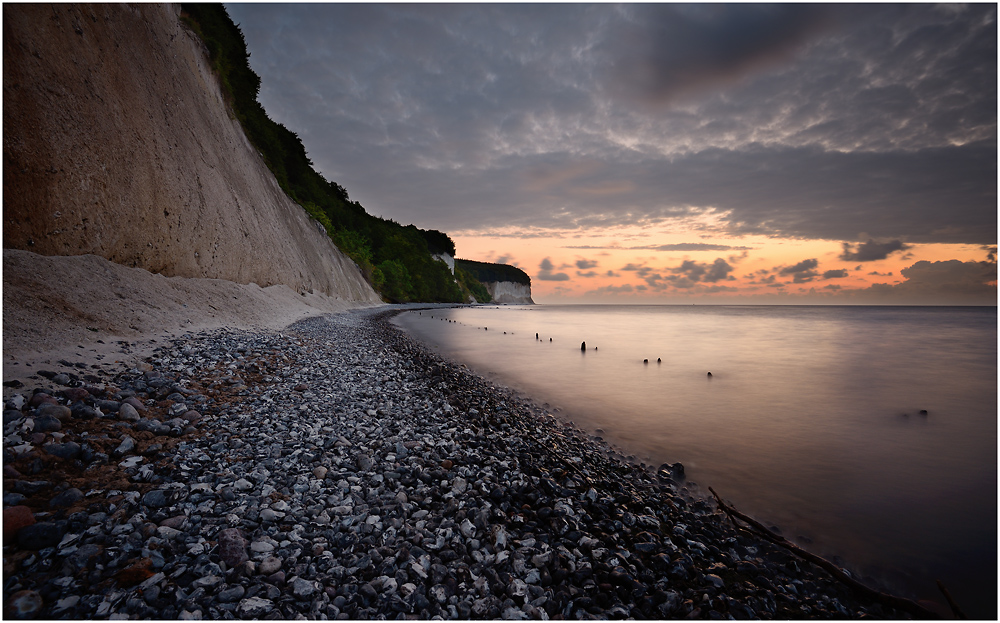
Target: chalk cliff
447, 259
118, 143
509, 292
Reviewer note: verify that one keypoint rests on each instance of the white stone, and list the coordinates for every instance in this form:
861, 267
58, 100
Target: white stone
254, 607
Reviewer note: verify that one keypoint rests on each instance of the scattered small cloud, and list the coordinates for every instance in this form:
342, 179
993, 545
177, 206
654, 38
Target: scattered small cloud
545, 272
736, 259
611, 273
871, 251
589, 273
802, 272
585, 264
835, 274
875, 273
690, 273
801, 267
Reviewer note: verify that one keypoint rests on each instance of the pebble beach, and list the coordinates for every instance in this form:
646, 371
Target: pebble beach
337, 469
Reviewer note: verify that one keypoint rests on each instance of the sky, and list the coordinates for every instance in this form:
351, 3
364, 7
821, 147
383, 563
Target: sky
661, 153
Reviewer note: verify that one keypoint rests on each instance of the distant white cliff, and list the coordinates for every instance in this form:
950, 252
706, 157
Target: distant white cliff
509, 292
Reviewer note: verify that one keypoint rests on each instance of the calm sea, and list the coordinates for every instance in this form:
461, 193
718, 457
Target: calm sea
811, 420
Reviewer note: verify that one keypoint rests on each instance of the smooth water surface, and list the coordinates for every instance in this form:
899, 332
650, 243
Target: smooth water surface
810, 421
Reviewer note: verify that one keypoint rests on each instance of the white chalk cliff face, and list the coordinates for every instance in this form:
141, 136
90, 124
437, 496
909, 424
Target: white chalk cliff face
509, 293
118, 143
447, 259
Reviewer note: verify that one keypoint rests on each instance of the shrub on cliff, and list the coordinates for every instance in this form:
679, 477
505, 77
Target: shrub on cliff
472, 286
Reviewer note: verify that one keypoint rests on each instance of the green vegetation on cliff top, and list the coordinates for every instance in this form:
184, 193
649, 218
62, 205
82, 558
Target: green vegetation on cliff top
486, 272
395, 259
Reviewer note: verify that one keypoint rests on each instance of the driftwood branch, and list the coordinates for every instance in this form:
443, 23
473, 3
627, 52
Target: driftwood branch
951, 602
899, 603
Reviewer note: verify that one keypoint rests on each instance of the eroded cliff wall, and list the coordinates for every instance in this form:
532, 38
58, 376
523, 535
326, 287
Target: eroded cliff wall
509, 293
118, 143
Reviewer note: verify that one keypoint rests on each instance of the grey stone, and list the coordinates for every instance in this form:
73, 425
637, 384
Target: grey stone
157, 498
135, 402
59, 412
40, 535
269, 565
127, 413
12, 498
154, 426
47, 424
303, 588
85, 412
69, 497
127, 445
69, 450
232, 547
207, 582
254, 607
25, 604
231, 594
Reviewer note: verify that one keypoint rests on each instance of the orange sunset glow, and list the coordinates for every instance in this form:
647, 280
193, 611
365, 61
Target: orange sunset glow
627, 267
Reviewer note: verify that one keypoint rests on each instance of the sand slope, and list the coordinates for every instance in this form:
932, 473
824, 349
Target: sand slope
63, 307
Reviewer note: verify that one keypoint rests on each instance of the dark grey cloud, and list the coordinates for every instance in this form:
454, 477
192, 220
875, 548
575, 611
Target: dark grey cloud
589, 273
716, 271
803, 272
545, 272
666, 50
969, 283
585, 264
826, 123
801, 267
871, 250
834, 274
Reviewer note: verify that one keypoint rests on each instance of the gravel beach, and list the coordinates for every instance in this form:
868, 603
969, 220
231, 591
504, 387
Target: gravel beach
338, 470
